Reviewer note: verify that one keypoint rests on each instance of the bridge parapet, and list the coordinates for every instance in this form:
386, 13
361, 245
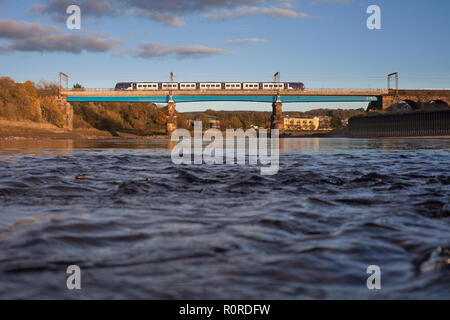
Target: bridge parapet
306, 92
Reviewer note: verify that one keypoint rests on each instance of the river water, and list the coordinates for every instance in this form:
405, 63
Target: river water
141, 227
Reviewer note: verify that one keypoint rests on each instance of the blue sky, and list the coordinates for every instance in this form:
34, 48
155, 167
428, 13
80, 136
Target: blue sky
324, 43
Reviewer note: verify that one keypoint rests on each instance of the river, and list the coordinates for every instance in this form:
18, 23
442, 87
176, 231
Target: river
142, 227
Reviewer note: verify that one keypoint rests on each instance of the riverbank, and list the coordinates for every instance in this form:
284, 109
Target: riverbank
29, 130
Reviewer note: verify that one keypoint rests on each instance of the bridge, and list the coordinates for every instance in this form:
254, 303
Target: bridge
276, 97
376, 98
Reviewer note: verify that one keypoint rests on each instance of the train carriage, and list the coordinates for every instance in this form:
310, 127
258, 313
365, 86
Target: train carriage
232, 85
147, 86
124, 86
295, 86
169, 85
273, 86
251, 85
210, 86
188, 85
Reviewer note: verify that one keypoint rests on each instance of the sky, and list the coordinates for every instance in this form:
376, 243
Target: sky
323, 43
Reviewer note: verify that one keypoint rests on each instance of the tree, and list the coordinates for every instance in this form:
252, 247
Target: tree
78, 86
335, 122
160, 117
235, 122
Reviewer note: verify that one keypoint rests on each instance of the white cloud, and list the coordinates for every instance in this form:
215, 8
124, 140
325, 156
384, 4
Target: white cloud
157, 49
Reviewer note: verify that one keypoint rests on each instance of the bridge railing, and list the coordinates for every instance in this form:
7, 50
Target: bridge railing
88, 89
374, 90
371, 90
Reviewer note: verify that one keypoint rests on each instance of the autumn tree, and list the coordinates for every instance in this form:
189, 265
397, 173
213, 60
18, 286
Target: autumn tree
235, 122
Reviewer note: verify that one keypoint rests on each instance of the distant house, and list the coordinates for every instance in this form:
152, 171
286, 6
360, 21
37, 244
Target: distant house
301, 123
213, 122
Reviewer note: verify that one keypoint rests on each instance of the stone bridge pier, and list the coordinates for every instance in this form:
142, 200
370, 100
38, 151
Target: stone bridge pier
171, 117
68, 112
277, 120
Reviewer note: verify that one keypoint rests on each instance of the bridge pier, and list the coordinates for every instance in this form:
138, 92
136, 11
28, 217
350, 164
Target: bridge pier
387, 101
68, 112
171, 117
277, 120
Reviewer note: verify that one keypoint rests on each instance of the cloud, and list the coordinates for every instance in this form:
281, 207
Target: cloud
157, 49
250, 40
11, 29
36, 37
163, 18
241, 11
168, 12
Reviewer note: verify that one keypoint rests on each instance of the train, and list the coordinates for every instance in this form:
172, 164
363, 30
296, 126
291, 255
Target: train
210, 86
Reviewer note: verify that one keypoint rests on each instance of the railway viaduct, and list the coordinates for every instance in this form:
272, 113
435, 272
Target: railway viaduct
413, 97
377, 98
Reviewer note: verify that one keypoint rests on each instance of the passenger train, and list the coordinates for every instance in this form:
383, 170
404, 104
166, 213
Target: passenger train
210, 86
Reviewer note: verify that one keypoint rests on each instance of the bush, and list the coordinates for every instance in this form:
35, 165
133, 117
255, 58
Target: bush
51, 112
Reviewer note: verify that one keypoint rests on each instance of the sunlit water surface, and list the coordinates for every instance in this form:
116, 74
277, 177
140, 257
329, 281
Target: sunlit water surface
142, 227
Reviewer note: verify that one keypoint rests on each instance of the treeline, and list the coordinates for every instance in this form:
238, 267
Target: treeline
337, 113
26, 101
231, 119
136, 118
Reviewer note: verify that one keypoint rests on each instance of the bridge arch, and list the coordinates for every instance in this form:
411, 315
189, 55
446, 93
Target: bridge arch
413, 104
438, 101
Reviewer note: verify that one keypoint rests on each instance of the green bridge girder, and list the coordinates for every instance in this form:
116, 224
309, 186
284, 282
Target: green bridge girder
201, 98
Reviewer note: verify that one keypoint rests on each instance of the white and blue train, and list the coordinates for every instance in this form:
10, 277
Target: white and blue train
210, 86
